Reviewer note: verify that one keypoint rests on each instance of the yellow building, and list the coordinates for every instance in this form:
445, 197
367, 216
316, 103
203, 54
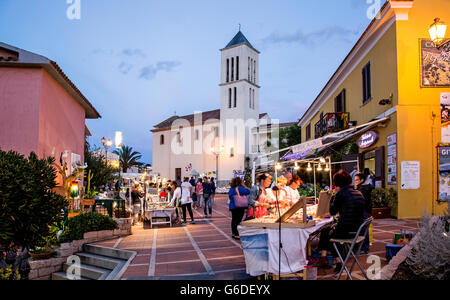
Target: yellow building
396, 75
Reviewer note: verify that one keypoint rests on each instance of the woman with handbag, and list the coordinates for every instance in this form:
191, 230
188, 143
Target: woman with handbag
238, 196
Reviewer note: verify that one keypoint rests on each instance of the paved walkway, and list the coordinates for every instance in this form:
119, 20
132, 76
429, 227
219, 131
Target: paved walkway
206, 250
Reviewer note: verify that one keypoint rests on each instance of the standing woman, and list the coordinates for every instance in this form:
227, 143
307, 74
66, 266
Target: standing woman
186, 200
237, 213
199, 192
258, 200
136, 196
175, 199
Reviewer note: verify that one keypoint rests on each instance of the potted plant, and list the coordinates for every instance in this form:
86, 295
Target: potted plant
383, 201
89, 196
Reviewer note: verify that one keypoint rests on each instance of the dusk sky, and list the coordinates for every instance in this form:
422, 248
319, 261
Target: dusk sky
139, 61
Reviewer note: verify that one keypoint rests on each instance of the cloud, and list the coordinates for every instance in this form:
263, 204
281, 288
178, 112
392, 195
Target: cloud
133, 53
313, 38
125, 67
149, 72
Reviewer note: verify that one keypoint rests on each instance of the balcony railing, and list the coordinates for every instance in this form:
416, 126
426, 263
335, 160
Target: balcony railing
332, 122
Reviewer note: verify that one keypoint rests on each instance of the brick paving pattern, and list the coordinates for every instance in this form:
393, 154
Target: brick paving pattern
207, 249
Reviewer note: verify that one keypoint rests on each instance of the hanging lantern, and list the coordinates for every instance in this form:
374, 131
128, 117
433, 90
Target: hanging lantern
437, 32
319, 168
278, 166
327, 168
309, 169
296, 168
74, 189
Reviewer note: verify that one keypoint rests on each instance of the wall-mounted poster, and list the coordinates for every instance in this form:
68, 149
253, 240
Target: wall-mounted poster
410, 175
435, 64
445, 117
392, 159
444, 173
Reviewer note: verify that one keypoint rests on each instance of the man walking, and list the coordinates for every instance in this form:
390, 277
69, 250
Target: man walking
207, 193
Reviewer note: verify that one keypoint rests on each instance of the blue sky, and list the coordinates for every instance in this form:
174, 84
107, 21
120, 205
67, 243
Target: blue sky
139, 61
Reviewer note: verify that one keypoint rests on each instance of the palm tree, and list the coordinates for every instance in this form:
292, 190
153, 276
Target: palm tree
128, 157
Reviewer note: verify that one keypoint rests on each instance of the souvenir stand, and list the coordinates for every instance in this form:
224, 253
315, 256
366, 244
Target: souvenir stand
158, 211
280, 245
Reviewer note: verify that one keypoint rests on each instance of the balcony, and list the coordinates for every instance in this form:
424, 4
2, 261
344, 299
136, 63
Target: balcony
331, 122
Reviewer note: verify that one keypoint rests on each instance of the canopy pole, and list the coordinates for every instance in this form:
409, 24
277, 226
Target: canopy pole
331, 176
315, 192
253, 173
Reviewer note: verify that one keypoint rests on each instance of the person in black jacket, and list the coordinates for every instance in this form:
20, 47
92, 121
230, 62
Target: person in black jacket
366, 190
349, 204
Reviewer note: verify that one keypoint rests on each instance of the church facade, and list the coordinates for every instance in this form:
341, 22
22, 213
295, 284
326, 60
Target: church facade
221, 143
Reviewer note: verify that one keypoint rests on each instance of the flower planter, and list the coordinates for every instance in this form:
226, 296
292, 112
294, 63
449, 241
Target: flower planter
41, 256
87, 202
381, 213
73, 214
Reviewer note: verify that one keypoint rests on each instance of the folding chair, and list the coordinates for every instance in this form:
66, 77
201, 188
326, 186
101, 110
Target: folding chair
357, 240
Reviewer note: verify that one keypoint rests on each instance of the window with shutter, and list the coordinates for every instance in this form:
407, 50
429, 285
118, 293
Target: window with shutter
367, 84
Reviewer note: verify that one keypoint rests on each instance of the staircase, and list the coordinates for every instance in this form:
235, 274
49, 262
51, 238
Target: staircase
99, 263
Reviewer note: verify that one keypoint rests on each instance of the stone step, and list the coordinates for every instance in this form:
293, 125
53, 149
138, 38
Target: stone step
99, 260
109, 252
91, 272
63, 276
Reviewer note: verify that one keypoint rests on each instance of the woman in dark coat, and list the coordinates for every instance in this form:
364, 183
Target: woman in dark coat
350, 205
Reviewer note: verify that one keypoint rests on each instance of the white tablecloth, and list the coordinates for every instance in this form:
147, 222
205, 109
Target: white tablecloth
160, 213
261, 248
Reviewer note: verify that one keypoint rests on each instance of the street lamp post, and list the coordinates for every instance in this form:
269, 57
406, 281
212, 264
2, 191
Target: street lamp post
217, 153
107, 144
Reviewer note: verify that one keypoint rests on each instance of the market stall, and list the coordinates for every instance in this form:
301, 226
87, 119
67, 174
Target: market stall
261, 238
160, 213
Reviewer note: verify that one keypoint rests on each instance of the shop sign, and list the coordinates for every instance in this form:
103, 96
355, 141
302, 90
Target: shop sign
444, 173
392, 159
367, 139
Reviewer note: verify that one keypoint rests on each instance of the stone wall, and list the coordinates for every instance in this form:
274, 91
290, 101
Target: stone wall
43, 269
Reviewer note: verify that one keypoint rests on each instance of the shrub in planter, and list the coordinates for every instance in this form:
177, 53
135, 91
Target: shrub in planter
77, 226
383, 201
28, 203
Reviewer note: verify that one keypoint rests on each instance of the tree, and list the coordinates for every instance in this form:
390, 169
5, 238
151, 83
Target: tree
128, 157
27, 200
290, 136
99, 169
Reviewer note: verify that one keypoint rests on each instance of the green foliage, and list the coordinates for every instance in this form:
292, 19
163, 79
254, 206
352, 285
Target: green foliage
101, 173
290, 136
384, 198
7, 274
128, 158
308, 190
27, 201
79, 225
248, 177
342, 151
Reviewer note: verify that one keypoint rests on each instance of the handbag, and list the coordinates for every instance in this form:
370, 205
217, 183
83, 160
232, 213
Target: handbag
240, 201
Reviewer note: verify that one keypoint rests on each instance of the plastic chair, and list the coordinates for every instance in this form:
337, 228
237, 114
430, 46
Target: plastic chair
357, 240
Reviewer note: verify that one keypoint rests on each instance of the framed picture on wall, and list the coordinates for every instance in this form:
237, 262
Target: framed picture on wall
434, 64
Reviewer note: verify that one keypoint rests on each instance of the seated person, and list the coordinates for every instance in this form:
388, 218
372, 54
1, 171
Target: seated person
349, 204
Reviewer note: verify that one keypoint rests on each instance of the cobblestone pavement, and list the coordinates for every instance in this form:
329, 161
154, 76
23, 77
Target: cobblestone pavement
206, 249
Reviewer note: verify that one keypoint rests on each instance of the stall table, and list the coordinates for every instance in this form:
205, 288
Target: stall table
160, 213
261, 247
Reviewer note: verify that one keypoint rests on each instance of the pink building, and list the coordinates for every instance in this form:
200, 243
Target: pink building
41, 110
